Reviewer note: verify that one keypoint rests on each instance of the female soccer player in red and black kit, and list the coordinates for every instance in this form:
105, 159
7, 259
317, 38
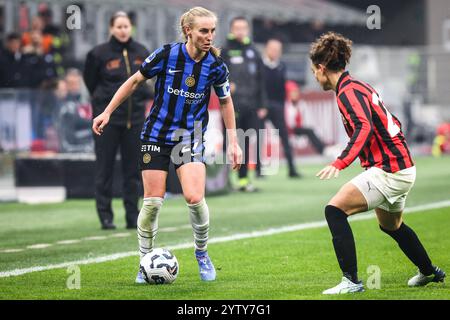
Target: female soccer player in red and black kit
377, 139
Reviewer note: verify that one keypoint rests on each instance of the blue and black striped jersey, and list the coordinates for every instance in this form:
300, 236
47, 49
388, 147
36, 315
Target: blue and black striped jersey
182, 92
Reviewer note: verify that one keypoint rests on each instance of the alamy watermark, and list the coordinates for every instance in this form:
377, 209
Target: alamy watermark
374, 279
73, 282
73, 21
374, 20
252, 142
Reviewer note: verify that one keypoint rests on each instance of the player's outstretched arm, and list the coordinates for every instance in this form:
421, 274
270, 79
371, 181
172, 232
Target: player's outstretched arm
234, 152
125, 90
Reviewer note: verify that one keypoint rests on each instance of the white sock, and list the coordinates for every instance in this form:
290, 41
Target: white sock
148, 224
199, 216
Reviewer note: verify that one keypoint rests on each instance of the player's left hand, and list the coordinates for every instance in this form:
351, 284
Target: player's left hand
328, 172
235, 155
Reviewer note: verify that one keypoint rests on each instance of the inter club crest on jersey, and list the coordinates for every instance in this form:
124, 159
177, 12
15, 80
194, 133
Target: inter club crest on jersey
190, 81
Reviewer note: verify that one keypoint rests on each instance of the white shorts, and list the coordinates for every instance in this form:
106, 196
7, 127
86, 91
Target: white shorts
385, 190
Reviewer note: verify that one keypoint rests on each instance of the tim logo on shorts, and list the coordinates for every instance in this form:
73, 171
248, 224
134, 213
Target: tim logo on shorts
150, 147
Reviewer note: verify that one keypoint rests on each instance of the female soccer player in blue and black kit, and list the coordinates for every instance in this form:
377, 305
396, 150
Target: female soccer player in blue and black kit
174, 129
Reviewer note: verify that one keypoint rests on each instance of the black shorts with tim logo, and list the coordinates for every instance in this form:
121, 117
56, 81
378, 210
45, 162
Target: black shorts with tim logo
158, 157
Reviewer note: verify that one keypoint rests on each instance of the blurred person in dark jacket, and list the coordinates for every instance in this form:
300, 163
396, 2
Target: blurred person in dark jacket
13, 64
275, 79
25, 68
247, 86
107, 66
19, 69
74, 83
44, 70
42, 76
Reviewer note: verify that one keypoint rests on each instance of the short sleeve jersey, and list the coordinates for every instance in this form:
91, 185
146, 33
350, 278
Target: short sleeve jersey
182, 92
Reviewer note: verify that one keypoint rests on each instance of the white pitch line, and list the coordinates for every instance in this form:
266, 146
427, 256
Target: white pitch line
120, 235
238, 236
173, 229
12, 250
39, 246
18, 272
93, 238
64, 242
428, 206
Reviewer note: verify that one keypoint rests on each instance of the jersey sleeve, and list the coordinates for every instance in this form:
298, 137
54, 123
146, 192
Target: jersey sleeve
355, 109
153, 64
221, 84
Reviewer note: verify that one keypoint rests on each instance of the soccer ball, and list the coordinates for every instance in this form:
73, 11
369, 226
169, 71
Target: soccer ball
159, 266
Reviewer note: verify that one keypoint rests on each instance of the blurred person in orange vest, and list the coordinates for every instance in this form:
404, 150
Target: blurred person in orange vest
37, 30
60, 40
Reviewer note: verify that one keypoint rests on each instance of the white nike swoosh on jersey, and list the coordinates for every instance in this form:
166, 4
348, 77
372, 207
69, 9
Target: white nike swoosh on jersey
174, 71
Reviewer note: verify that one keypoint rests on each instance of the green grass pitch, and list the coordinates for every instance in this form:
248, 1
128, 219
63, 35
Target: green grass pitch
290, 265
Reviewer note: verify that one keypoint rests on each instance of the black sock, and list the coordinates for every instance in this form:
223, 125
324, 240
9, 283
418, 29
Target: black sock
343, 241
412, 247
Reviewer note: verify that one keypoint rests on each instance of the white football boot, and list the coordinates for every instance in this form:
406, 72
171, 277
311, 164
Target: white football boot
420, 280
346, 286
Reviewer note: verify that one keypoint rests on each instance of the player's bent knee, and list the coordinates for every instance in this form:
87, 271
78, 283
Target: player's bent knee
339, 205
394, 226
331, 212
348, 207
194, 198
388, 220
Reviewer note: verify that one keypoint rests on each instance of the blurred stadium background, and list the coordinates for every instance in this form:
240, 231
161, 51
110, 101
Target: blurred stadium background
46, 147
407, 60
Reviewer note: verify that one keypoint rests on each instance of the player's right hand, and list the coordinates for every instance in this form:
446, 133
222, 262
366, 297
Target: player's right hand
100, 122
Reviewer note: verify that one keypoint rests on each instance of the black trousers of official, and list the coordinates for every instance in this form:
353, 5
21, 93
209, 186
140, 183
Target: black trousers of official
116, 137
276, 116
315, 141
246, 118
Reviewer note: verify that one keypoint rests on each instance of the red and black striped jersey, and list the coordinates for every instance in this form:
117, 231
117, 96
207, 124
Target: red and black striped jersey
375, 134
